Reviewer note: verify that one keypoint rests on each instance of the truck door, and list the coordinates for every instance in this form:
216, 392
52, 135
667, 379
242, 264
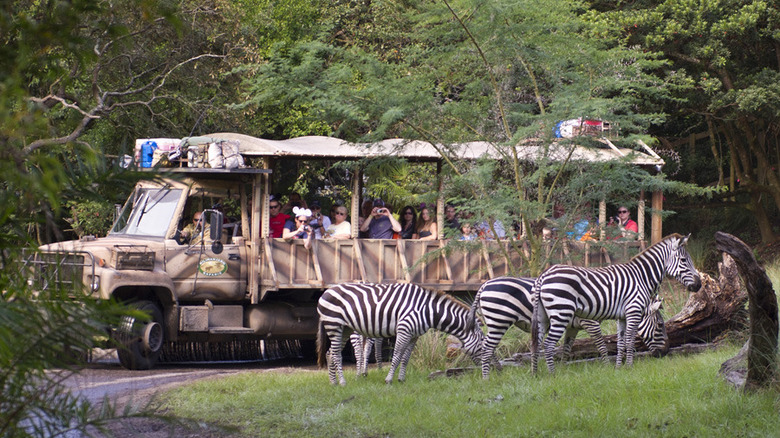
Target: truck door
198, 273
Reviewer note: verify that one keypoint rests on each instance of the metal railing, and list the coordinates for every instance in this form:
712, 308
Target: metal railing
63, 270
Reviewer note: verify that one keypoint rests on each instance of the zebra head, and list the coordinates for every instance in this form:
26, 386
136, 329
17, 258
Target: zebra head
472, 341
652, 329
680, 266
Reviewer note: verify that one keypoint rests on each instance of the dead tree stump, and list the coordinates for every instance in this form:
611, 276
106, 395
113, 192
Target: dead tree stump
762, 345
714, 309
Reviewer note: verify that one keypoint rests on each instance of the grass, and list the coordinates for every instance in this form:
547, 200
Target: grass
673, 396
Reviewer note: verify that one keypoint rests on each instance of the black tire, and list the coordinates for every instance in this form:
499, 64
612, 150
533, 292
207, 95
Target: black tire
140, 342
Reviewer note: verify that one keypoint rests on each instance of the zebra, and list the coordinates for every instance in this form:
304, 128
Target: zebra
624, 292
506, 301
405, 311
362, 347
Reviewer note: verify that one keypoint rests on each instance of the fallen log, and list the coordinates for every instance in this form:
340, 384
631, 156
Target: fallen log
524, 359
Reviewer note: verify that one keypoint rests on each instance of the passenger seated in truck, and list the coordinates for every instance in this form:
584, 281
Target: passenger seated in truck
277, 218
294, 201
192, 232
380, 224
340, 228
299, 228
319, 222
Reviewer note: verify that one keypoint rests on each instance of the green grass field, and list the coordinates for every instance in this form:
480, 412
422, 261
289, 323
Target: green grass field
676, 396
673, 396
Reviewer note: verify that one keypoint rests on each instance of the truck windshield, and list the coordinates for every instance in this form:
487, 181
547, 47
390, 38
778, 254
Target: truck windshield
148, 212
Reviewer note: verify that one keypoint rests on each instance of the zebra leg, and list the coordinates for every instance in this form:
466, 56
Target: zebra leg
621, 342
568, 340
593, 328
632, 322
359, 345
378, 352
405, 360
557, 329
489, 344
335, 368
402, 339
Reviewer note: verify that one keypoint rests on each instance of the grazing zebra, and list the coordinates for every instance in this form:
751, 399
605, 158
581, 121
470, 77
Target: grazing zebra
362, 346
405, 311
506, 301
624, 292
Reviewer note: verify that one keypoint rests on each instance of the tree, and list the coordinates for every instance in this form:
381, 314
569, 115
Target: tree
725, 68
73, 74
502, 72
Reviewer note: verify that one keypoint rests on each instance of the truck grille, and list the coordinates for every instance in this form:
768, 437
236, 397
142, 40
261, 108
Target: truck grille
60, 271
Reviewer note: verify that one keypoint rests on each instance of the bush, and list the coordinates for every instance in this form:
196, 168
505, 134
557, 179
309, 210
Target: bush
91, 217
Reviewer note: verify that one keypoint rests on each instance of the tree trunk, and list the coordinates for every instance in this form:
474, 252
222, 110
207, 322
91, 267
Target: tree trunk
762, 345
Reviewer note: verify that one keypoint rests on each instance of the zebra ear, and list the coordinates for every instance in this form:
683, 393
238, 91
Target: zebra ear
684, 240
656, 305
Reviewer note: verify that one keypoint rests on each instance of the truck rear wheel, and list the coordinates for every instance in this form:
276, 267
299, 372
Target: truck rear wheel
140, 342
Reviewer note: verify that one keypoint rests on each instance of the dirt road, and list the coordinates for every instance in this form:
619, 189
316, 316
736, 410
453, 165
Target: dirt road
105, 379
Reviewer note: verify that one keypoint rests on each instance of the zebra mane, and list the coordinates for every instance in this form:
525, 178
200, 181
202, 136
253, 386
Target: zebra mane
441, 293
669, 237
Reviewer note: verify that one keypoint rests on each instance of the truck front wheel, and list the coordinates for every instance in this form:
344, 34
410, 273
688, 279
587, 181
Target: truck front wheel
141, 341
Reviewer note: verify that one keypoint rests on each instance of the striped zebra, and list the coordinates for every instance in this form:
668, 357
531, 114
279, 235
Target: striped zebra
362, 347
624, 292
405, 311
506, 301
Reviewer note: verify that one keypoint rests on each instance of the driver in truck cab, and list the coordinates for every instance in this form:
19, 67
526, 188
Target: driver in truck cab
192, 232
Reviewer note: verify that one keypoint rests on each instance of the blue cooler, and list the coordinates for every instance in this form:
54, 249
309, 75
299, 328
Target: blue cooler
147, 153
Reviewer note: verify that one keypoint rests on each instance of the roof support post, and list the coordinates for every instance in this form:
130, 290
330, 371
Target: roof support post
640, 215
602, 219
354, 213
439, 202
655, 222
258, 223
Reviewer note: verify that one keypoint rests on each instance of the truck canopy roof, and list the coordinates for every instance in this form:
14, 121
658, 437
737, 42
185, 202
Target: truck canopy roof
334, 148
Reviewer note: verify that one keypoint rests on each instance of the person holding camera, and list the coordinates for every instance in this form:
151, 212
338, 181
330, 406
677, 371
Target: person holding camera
628, 228
300, 228
319, 222
380, 224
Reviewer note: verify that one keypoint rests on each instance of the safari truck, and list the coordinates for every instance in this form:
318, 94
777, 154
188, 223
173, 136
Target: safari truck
230, 291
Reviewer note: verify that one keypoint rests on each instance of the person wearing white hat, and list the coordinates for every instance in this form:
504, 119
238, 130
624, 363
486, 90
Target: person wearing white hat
299, 228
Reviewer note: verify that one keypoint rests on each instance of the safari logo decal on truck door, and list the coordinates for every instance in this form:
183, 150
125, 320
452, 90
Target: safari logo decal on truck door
212, 267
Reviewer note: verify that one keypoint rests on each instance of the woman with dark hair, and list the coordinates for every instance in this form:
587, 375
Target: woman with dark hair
426, 225
408, 222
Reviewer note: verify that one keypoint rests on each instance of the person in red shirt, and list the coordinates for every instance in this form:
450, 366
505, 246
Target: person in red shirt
277, 218
628, 227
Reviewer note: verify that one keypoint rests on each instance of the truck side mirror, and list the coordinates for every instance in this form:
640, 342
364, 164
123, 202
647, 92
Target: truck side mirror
215, 232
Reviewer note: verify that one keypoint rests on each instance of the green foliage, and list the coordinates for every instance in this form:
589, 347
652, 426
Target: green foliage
91, 218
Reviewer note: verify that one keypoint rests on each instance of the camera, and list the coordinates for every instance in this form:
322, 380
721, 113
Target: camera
314, 226
381, 210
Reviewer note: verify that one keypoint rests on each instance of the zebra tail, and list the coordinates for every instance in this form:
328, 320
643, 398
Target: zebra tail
535, 318
473, 310
323, 345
